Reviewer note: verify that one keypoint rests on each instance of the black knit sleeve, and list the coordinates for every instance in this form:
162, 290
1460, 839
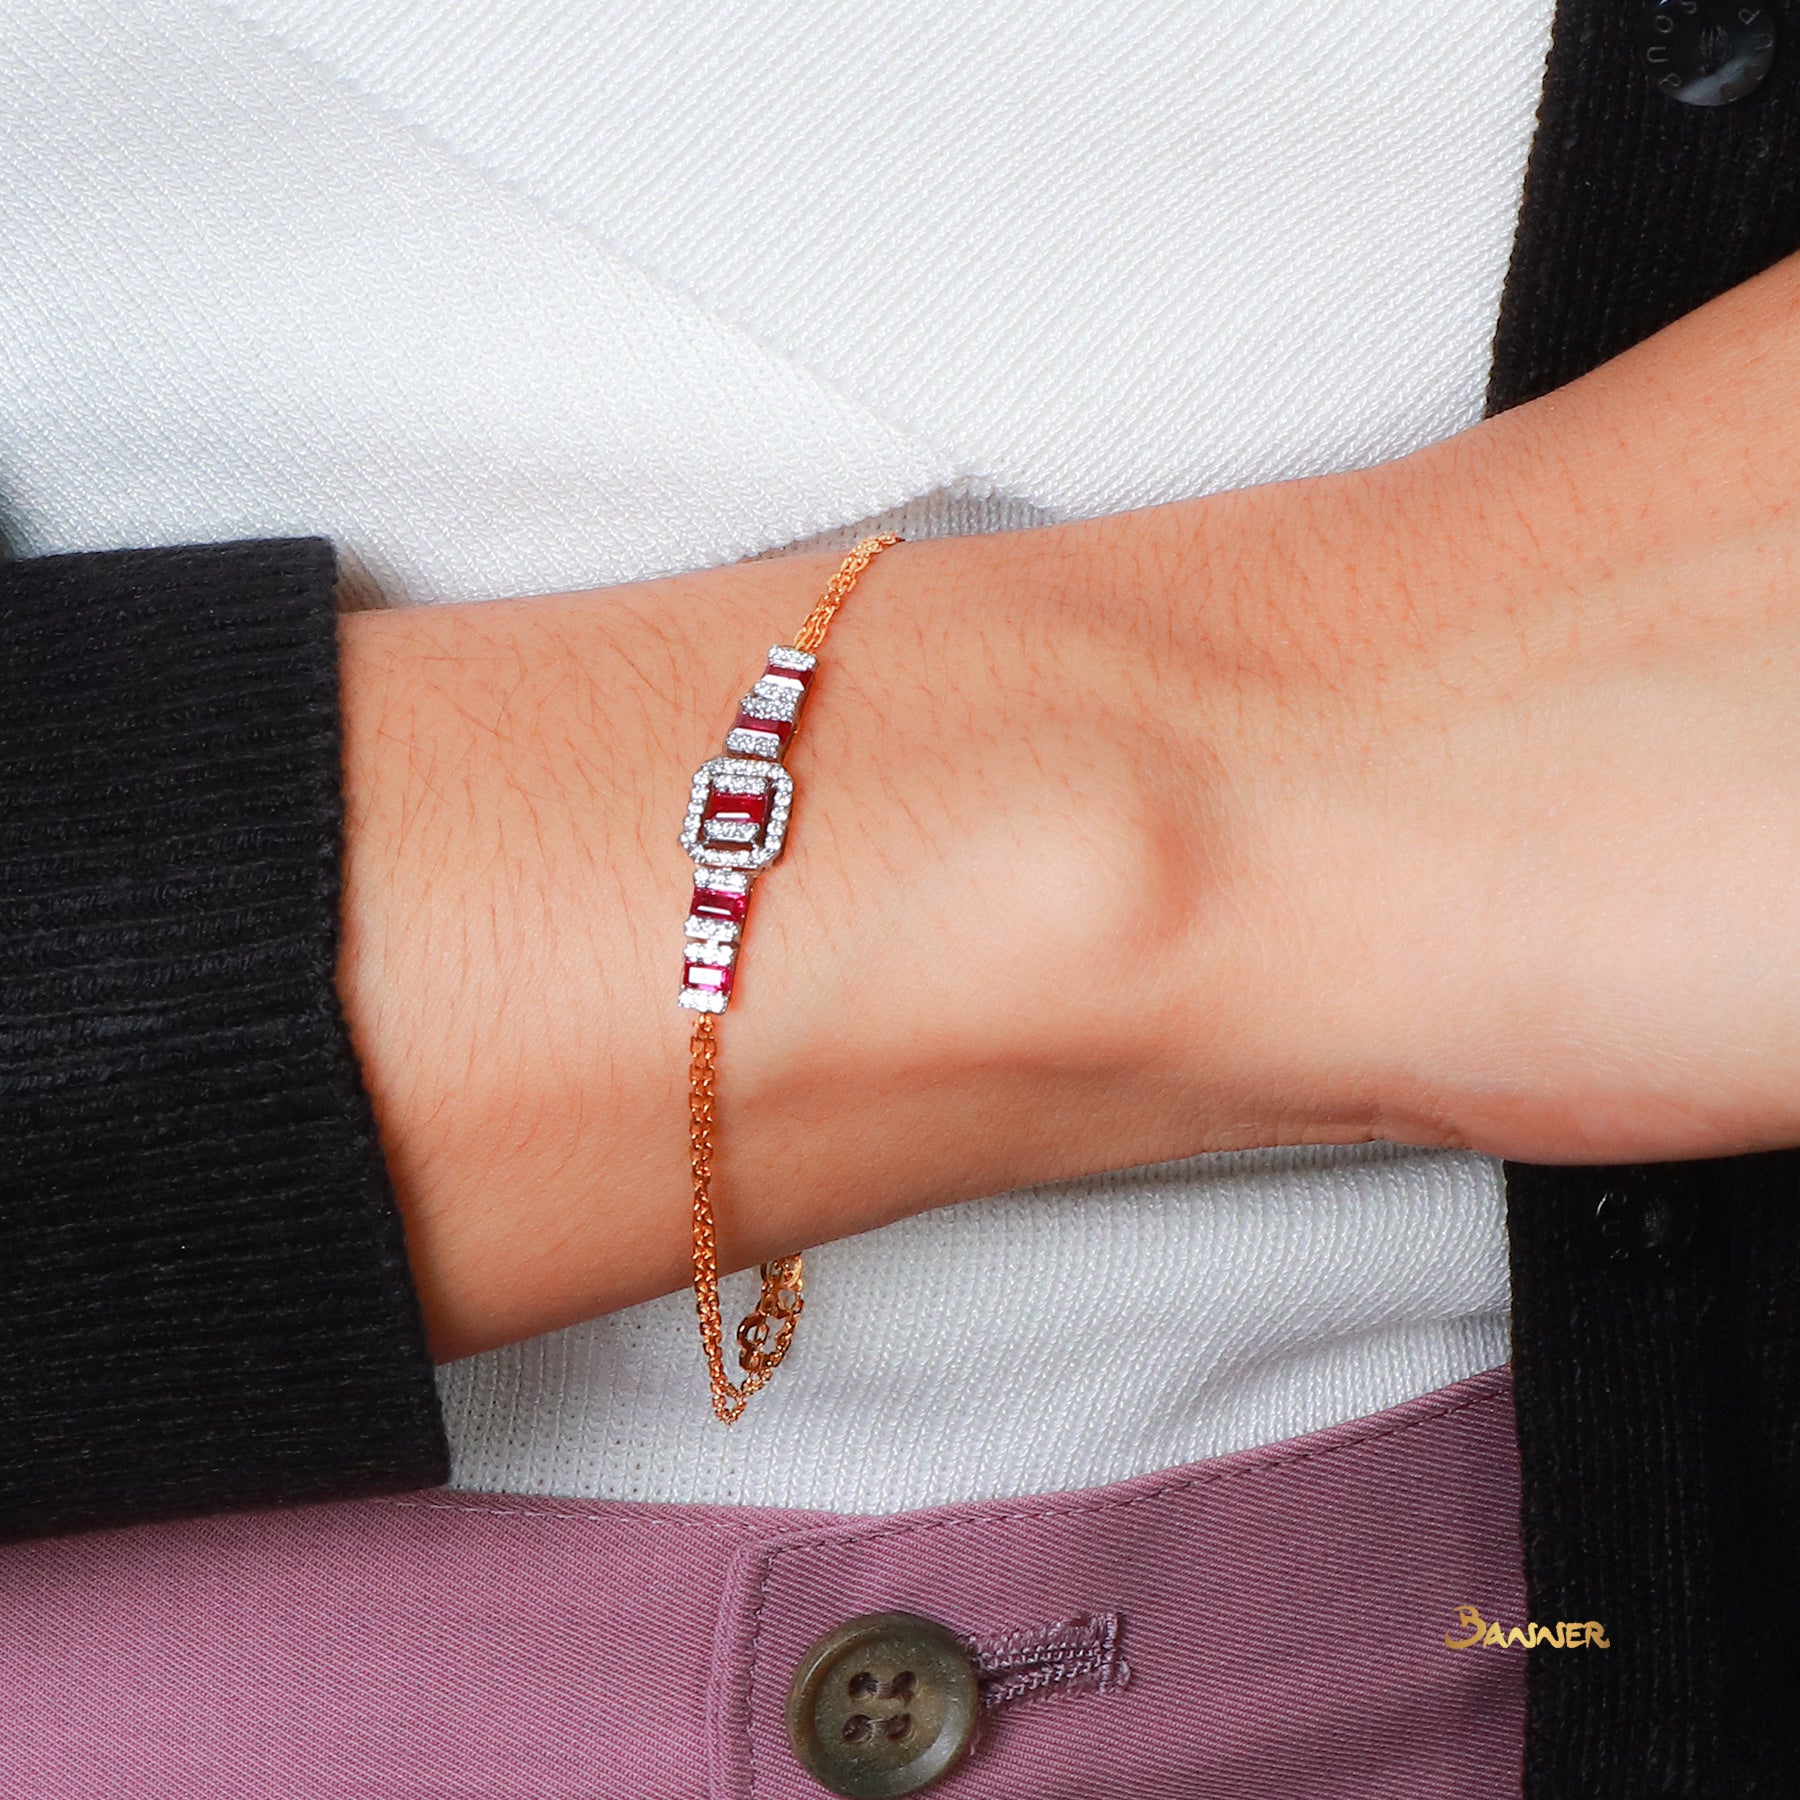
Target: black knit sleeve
204, 1295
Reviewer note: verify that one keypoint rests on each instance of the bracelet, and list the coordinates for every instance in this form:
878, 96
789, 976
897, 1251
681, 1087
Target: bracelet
736, 826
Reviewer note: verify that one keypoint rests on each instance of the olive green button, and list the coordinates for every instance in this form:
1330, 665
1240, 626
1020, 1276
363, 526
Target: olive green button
884, 1705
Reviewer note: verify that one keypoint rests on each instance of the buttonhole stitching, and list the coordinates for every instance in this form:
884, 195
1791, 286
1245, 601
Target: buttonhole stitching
1077, 1655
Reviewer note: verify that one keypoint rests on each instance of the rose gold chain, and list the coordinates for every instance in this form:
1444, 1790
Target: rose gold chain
811, 635
766, 1332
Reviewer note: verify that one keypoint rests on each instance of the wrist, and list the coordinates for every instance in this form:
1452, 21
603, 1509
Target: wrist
960, 978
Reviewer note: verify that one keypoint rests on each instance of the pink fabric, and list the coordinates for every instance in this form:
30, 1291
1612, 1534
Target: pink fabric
1281, 1613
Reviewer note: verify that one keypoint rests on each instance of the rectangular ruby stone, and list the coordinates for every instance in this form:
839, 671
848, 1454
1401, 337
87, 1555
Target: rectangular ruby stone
753, 809
803, 676
779, 727
710, 903
708, 977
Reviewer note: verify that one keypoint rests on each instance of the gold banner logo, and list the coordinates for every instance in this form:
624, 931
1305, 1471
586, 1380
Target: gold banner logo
1568, 1634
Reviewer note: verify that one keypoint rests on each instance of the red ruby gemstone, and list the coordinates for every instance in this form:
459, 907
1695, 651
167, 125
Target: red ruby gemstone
709, 977
803, 676
713, 903
753, 808
780, 727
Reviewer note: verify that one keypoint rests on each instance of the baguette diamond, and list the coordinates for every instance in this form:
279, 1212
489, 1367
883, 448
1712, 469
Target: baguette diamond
700, 999
714, 951
741, 741
772, 708
781, 694
722, 881
700, 926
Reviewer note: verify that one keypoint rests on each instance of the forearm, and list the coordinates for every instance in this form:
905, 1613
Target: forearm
958, 980
1455, 802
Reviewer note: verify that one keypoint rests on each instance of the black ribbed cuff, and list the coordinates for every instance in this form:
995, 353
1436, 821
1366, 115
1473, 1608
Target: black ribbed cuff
204, 1295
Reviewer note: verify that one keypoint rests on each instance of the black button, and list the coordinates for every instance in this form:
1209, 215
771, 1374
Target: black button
1644, 1225
1707, 52
883, 1706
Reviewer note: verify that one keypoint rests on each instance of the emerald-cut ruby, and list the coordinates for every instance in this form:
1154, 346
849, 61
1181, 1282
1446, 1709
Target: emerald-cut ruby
714, 903
803, 676
709, 978
752, 809
780, 729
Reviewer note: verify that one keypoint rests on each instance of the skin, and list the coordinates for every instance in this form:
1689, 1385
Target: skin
1455, 802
